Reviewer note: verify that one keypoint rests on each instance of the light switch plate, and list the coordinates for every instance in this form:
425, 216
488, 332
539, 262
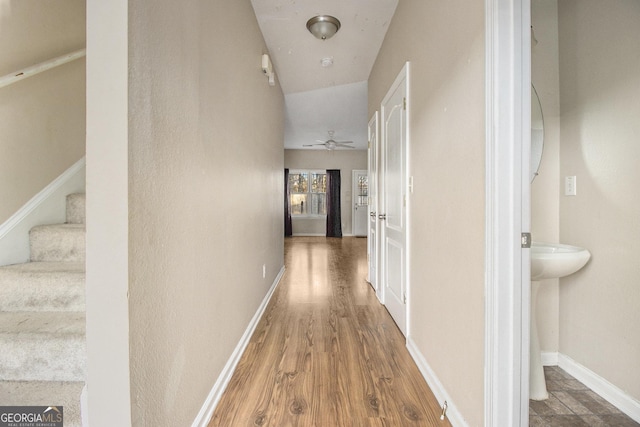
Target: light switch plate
569, 185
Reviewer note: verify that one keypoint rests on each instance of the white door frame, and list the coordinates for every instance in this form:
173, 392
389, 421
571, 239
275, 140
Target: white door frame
507, 268
372, 237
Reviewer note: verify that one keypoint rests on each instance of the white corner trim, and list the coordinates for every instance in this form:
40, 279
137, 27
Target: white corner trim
455, 417
507, 212
36, 200
549, 358
84, 406
206, 411
601, 386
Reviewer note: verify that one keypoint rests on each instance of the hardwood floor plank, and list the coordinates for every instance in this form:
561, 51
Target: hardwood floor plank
325, 352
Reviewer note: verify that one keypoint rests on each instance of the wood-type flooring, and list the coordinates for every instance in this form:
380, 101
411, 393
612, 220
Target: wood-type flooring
326, 353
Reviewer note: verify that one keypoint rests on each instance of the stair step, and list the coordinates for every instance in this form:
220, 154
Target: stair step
76, 208
45, 393
42, 346
58, 242
42, 286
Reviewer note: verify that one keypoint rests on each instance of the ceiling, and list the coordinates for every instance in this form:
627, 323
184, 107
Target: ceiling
317, 98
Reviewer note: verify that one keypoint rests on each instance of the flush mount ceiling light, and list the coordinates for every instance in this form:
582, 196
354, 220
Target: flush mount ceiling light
323, 26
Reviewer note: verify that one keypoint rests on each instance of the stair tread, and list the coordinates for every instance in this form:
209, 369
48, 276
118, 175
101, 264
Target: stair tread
42, 323
59, 227
37, 393
44, 267
58, 242
42, 286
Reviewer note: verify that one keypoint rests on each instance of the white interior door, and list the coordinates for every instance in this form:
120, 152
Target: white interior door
372, 232
393, 214
360, 191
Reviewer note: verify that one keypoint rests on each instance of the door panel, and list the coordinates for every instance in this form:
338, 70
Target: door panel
393, 200
395, 275
394, 168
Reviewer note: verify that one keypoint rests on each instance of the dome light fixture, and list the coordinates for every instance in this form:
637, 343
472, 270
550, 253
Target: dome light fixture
323, 26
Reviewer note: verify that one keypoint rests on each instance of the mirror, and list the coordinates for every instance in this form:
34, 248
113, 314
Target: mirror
537, 133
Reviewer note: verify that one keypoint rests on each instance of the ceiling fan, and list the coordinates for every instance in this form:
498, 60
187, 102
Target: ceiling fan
331, 144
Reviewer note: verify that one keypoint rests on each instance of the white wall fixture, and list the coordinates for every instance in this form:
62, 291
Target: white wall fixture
570, 186
267, 69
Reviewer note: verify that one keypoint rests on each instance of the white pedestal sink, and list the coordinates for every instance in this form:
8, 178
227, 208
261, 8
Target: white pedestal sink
548, 261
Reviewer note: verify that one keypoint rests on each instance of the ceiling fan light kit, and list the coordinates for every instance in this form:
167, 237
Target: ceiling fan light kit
331, 144
323, 26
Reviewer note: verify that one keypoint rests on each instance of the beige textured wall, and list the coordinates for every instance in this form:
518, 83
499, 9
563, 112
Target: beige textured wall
346, 161
599, 93
445, 44
42, 118
545, 189
205, 197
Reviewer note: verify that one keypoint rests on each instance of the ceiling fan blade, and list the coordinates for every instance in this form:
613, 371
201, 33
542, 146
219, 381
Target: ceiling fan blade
344, 146
311, 145
344, 142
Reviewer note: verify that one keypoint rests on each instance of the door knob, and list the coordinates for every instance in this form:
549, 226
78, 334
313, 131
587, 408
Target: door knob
372, 214
382, 216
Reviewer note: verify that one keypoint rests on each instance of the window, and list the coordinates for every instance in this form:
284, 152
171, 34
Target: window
308, 193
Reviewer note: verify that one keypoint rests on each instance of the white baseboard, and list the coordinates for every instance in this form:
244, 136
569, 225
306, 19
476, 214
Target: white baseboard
549, 358
601, 386
46, 207
595, 382
206, 412
455, 417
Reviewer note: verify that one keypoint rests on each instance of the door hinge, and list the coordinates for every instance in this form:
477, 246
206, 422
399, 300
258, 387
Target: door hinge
405, 298
525, 240
368, 144
404, 103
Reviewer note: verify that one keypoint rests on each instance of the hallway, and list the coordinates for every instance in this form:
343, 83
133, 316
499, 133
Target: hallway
326, 352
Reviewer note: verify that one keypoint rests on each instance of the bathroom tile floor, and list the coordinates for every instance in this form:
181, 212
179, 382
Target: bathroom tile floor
572, 404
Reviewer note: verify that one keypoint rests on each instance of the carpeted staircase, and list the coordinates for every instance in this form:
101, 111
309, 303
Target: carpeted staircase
42, 319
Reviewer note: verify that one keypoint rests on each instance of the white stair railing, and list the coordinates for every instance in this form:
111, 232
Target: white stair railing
11, 78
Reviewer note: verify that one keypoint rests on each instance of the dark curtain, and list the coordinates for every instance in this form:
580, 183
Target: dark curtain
334, 222
288, 227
